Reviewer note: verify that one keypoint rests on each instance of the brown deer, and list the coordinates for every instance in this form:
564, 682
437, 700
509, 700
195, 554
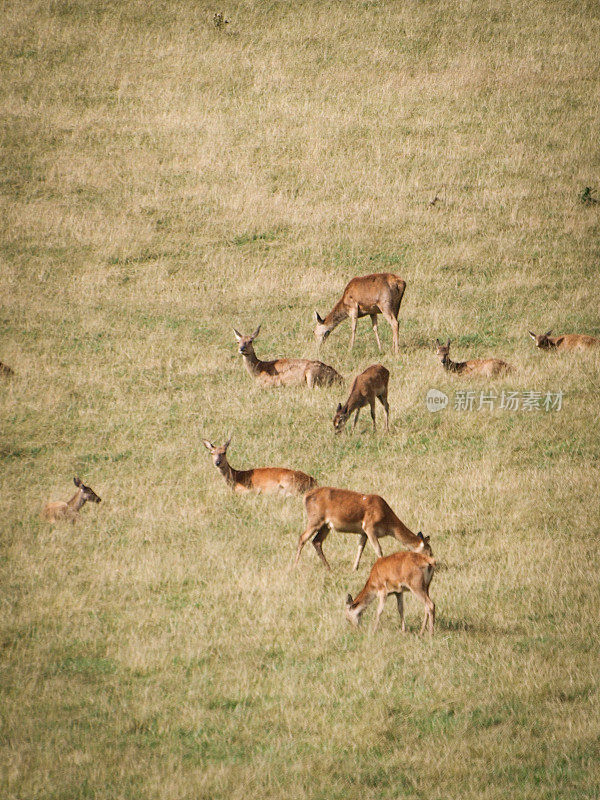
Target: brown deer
59, 510
568, 341
480, 367
263, 479
284, 371
396, 574
370, 384
368, 295
352, 512
5, 370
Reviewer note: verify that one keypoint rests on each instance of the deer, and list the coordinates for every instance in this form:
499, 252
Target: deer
369, 385
568, 341
284, 371
352, 512
5, 370
395, 574
268, 480
367, 295
481, 367
61, 509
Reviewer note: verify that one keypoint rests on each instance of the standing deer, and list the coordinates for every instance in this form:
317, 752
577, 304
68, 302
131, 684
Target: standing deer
396, 574
481, 367
60, 509
568, 341
370, 384
263, 479
352, 512
368, 295
284, 371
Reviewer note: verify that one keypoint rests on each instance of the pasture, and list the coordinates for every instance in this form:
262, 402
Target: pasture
164, 180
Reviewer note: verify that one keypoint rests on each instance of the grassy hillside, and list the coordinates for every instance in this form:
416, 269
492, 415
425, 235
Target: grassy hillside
164, 180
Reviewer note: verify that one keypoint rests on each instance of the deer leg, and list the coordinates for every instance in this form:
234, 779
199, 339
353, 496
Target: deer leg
372, 404
372, 536
310, 378
317, 542
304, 537
386, 408
382, 595
400, 601
429, 609
353, 317
355, 419
374, 324
394, 326
361, 547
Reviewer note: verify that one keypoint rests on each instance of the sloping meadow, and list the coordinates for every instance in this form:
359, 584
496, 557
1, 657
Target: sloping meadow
167, 177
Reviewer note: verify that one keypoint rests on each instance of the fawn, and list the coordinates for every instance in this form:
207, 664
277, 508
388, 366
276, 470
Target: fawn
263, 479
396, 574
61, 509
352, 512
481, 367
568, 341
368, 295
369, 385
284, 371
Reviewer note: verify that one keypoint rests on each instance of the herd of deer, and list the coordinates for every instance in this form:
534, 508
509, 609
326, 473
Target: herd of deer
327, 508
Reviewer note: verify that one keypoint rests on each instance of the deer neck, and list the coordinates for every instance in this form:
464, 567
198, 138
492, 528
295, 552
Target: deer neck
251, 362
233, 477
404, 534
77, 501
452, 366
337, 314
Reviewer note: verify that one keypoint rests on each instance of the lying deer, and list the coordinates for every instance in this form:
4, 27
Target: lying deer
482, 367
59, 510
368, 295
284, 371
568, 341
396, 574
352, 512
370, 384
263, 479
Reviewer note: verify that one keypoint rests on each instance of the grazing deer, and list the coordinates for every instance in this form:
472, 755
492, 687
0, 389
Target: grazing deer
284, 371
5, 370
396, 574
369, 295
568, 341
263, 479
481, 367
370, 384
53, 512
352, 512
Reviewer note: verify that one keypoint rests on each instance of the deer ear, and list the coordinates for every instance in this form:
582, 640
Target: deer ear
237, 335
448, 343
77, 481
339, 408
255, 334
533, 336
227, 443
548, 332
207, 444
318, 318
438, 342
349, 600
420, 535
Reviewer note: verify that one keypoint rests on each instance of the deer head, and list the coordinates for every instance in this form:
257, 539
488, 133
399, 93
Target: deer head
87, 493
245, 346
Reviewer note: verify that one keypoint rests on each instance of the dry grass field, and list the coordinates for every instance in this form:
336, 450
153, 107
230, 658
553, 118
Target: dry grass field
164, 180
